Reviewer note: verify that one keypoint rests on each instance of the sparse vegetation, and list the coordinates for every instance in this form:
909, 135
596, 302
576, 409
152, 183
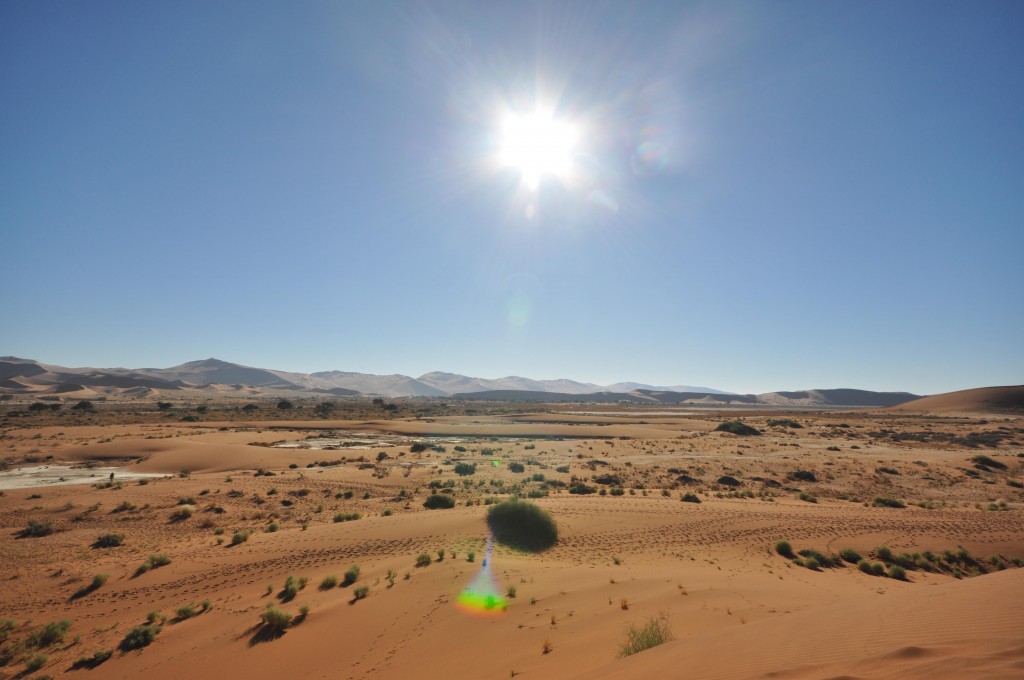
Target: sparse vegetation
328, 582
439, 501
109, 541
738, 427
881, 502
360, 593
37, 528
275, 620
239, 537
651, 634
522, 525
139, 637
784, 549
351, 575
423, 560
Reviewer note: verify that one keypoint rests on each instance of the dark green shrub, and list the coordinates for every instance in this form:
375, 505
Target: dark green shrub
784, 549
784, 422
93, 661
887, 503
275, 620
897, 572
37, 528
36, 662
423, 560
239, 537
139, 637
465, 468
351, 575
516, 467
804, 496
50, 634
884, 553
865, 566
850, 555
581, 489
109, 541
981, 459
738, 428
439, 501
360, 592
328, 582
690, 498
185, 612
522, 525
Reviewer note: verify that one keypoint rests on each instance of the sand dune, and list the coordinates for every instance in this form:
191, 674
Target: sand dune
1009, 399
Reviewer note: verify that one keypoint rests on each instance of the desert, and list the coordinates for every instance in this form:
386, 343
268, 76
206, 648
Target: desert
825, 543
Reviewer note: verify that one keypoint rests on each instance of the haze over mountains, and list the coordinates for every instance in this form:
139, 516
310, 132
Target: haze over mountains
31, 378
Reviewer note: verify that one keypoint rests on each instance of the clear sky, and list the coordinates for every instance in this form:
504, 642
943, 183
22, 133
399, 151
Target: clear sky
743, 195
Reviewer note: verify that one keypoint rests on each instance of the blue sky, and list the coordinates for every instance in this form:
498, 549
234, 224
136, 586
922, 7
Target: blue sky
763, 196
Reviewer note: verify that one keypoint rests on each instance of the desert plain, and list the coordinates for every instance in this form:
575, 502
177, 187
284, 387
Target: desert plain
909, 519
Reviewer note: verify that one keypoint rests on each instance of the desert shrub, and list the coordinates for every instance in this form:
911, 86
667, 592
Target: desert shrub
804, 496
439, 501
351, 575
982, 459
361, 592
562, 468
37, 528
850, 555
812, 563
821, 559
275, 620
880, 502
522, 525
239, 537
651, 634
516, 467
36, 662
470, 556
139, 637
109, 541
865, 566
690, 498
185, 612
581, 489
884, 553
346, 517
737, 427
328, 582
418, 447
617, 491
93, 661
784, 422
897, 572
50, 634
285, 404
784, 549
465, 468
423, 560
273, 527
183, 512
878, 569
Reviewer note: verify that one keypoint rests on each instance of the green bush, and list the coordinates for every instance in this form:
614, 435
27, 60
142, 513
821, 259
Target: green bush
36, 662
465, 468
50, 634
850, 555
784, 549
690, 498
360, 592
423, 559
522, 525
439, 501
650, 634
275, 620
109, 541
239, 537
804, 496
516, 467
738, 428
346, 517
37, 529
328, 582
351, 575
93, 661
887, 503
185, 612
139, 637
897, 572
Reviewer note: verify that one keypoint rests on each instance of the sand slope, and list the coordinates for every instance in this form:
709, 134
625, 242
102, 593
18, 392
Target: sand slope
1008, 399
965, 629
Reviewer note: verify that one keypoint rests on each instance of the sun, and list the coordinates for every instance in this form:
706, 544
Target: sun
537, 144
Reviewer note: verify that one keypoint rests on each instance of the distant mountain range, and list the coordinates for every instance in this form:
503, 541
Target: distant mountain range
29, 378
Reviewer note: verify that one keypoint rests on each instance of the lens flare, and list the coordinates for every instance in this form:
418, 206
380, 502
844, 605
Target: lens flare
482, 597
537, 144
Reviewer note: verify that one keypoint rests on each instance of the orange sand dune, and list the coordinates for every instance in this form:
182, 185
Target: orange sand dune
963, 629
1008, 399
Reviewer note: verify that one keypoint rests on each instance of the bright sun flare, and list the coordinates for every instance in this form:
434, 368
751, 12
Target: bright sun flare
537, 144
